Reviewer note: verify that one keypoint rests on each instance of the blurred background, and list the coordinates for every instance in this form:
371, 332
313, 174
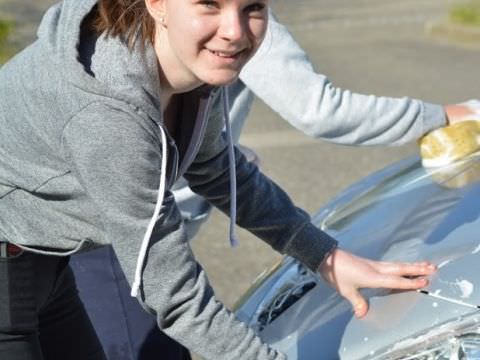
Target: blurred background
427, 49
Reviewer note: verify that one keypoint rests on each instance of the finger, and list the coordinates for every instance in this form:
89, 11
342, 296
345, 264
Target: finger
405, 269
359, 304
399, 282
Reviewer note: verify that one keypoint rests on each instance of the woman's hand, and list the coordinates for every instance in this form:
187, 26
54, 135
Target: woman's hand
469, 110
348, 273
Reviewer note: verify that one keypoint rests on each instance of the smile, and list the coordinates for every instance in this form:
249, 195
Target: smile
227, 55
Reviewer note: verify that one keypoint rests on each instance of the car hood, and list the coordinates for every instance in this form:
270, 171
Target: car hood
404, 213
417, 213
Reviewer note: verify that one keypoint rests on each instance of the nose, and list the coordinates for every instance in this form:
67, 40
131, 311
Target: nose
232, 26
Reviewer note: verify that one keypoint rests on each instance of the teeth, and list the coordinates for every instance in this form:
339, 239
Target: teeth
221, 54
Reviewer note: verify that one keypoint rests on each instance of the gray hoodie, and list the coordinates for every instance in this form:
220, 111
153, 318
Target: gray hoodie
82, 148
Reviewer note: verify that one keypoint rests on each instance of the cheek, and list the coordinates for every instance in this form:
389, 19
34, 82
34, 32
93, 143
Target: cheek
201, 31
190, 35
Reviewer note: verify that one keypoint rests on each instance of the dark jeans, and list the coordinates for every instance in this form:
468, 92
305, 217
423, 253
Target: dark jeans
125, 329
41, 315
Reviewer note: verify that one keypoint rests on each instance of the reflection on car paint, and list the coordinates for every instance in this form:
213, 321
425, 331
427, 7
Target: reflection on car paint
476, 250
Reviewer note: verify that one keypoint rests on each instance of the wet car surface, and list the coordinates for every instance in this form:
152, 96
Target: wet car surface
404, 213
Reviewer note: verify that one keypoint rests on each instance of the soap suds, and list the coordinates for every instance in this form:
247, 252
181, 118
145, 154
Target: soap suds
466, 287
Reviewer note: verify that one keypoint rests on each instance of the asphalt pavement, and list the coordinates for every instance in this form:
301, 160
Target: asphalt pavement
368, 46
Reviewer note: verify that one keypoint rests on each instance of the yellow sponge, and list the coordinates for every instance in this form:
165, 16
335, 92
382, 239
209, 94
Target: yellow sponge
448, 144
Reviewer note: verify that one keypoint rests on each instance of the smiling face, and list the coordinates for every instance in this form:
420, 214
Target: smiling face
205, 41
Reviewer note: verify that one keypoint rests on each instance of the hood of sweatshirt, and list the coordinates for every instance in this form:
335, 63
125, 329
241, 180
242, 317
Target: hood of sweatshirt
127, 75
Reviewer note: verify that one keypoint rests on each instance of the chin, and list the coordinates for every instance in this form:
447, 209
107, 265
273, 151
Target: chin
221, 78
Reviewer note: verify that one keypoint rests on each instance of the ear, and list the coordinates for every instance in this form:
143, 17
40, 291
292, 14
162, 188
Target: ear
157, 10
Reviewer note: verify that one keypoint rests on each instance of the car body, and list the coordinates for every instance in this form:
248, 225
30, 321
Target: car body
404, 212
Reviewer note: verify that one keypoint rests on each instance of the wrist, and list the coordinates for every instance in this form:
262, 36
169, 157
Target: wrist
328, 259
456, 113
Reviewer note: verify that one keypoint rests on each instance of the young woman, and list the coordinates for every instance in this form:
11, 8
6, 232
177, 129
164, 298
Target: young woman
99, 118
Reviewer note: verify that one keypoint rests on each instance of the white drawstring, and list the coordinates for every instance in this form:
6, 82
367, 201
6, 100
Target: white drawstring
231, 164
153, 220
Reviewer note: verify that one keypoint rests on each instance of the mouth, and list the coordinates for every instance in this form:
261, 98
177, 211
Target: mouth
228, 56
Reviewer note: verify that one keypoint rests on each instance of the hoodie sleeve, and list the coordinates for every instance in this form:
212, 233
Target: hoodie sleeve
263, 208
117, 161
311, 103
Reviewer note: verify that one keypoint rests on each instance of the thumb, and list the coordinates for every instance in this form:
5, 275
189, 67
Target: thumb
359, 304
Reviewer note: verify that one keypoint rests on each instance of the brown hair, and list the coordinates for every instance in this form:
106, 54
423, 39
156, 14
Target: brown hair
127, 19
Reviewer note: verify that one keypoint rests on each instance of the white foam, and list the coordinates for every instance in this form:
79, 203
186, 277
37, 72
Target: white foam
438, 161
466, 287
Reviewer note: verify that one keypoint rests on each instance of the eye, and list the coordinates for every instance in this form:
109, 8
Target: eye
209, 4
255, 7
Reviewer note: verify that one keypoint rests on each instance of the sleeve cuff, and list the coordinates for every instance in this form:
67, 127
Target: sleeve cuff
433, 117
311, 246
